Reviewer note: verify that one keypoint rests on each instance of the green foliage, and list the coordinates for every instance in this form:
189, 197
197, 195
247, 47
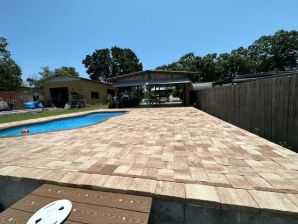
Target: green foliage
48, 113
139, 93
98, 64
177, 92
111, 104
106, 63
10, 72
187, 62
64, 70
4, 53
278, 51
46, 72
237, 61
209, 69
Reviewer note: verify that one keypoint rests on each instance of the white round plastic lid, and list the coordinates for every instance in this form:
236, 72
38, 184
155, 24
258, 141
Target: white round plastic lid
54, 212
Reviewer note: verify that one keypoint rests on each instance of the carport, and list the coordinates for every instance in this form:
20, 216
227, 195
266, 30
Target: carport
156, 79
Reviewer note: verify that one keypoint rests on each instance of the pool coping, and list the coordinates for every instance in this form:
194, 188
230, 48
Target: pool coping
51, 118
188, 198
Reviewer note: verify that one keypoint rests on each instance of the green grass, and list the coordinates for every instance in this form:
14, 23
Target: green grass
26, 116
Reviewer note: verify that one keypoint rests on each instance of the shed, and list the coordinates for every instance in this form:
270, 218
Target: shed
154, 79
57, 89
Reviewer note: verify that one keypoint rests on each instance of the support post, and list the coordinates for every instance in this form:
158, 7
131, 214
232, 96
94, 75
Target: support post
186, 94
116, 97
149, 94
159, 95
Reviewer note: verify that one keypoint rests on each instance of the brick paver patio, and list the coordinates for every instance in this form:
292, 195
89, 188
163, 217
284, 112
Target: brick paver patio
176, 153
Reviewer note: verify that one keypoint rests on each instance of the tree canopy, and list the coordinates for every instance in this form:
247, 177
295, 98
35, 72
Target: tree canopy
10, 72
46, 72
105, 63
274, 52
64, 70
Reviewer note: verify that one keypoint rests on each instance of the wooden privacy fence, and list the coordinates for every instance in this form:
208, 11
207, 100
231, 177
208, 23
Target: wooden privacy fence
267, 107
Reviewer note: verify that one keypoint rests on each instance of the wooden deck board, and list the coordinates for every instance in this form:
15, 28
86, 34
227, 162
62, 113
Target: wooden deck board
14, 216
113, 200
87, 206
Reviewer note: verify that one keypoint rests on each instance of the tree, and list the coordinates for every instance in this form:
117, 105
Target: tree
124, 61
98, 64
279, 51
209, 68
284, 49
188, 62
4, 53
46, 72
236, 62
106, 63
36, 81
10, 72
64, 70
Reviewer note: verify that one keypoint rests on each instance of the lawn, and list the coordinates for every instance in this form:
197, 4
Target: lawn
48, 113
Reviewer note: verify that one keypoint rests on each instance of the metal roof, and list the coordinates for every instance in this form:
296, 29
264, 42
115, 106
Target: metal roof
152, 82
201, 86
69, 77
134, 74
254, 76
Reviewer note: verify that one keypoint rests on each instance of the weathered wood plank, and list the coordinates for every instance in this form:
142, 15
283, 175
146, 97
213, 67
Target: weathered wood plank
267, 107
268, 114
113, 200
295, 120
13, 216
85, 213
291, 111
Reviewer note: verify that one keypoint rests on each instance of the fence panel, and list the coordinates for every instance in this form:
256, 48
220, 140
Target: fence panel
266, 107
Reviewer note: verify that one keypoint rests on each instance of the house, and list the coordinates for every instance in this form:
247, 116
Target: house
58, 90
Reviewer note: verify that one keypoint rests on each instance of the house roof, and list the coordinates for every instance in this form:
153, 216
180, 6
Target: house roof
201, 86
120, 77
151, 82
254, 76
74, 78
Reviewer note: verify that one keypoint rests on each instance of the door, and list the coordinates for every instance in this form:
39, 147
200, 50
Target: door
59, 96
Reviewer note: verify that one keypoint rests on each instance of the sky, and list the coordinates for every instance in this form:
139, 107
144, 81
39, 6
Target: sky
59, 33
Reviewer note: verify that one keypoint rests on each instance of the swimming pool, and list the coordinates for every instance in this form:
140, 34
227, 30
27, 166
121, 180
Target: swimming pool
60, 123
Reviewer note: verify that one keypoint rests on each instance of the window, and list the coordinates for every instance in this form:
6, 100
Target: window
94, 95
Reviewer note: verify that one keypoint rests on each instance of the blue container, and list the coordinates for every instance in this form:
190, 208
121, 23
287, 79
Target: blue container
30, 105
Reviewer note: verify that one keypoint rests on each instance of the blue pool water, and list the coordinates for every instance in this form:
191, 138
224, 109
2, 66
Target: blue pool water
60, 123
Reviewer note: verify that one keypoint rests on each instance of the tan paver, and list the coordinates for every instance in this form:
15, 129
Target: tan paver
170, 189
8, 170
273, 201
159, 151
238, 181
279, 183
218, 179
236, 199
293, 198
258, 183
120, 184
143, 186
202, 195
